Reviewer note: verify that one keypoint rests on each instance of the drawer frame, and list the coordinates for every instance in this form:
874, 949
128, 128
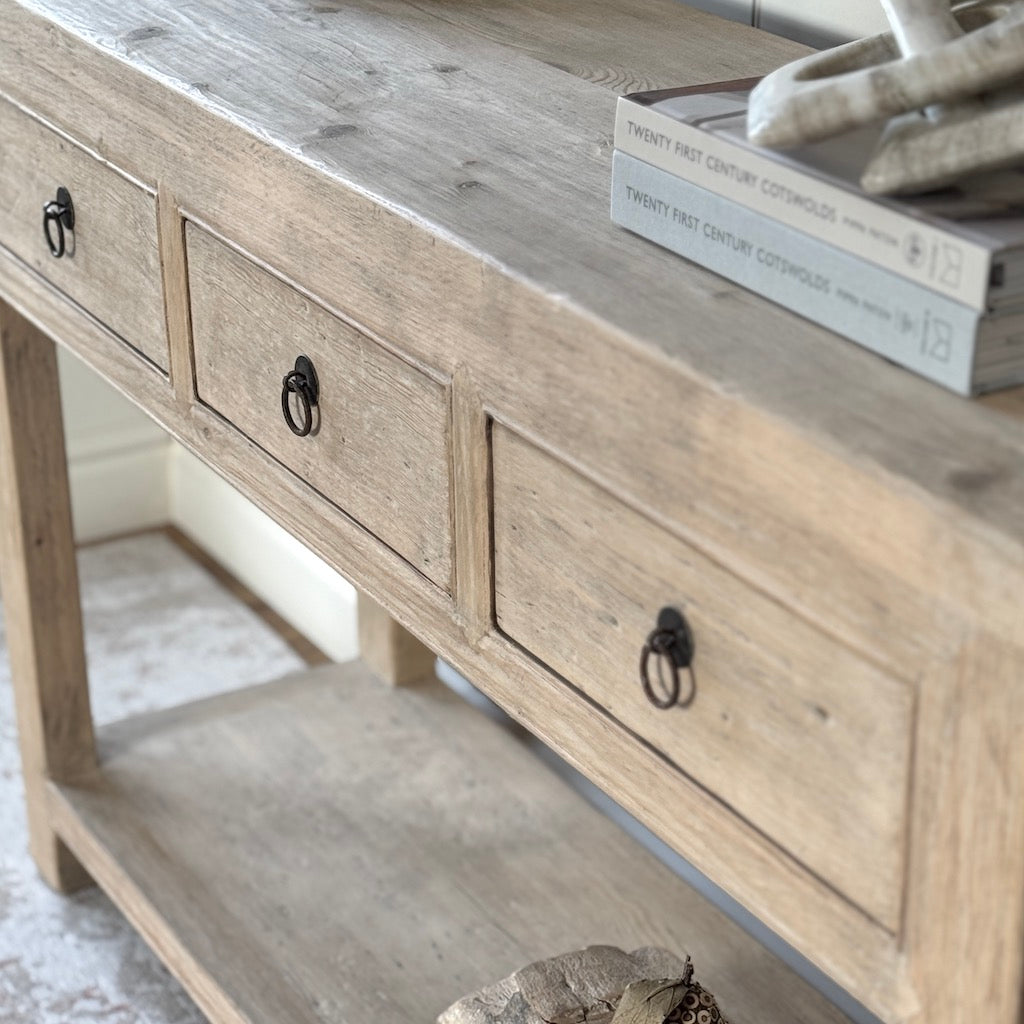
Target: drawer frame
113, 250
226, 274
547, 506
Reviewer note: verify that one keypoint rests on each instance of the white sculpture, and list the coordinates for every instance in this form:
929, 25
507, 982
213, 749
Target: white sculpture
952, 80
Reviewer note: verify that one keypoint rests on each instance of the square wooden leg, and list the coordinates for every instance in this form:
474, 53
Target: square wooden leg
40, 588
389, 650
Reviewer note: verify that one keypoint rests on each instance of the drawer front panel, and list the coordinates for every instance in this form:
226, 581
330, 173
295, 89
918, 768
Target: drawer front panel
380, 447
805, 739
112, 263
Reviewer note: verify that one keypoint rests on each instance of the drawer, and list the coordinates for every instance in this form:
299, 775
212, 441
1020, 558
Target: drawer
112, 263
805, 739
379, 448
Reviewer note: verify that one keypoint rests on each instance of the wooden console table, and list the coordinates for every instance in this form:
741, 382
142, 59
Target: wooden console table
532, 433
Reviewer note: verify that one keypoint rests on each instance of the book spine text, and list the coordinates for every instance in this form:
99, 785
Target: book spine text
903, 321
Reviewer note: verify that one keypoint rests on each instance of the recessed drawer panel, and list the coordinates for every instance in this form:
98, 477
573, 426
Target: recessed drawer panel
801, 736
379, 444
111, 263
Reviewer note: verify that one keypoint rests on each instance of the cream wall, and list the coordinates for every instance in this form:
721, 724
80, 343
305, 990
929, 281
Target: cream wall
818, 22
117, 458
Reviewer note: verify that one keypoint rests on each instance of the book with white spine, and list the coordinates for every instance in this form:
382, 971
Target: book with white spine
946, 341
965, 243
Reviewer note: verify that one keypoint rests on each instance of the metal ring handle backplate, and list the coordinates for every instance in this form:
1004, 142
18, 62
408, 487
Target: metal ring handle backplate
671, 642
301, 382
58, 214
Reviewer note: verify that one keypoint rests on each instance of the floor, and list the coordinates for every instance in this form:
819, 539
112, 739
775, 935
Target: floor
162, 628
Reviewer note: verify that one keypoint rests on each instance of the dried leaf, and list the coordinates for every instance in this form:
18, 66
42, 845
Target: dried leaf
650, 1002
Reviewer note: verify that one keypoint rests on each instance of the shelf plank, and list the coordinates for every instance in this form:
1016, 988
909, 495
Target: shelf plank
328, 849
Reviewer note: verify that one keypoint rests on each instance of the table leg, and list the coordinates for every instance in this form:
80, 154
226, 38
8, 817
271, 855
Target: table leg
40, 588
389, 650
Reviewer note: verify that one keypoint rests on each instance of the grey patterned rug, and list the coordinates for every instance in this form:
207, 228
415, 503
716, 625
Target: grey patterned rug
160, 631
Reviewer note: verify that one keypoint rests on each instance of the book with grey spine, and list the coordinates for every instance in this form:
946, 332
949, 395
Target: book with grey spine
908, 323
966, 242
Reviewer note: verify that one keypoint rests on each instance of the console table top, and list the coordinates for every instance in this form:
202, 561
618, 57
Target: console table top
487, 128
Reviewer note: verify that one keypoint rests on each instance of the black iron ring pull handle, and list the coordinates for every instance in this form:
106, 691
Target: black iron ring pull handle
58, 214
301, 382
671, 643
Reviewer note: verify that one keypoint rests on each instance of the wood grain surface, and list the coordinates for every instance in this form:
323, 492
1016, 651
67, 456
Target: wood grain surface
436, 176
367, 871
390, 651
796, 733
40, 588
111, 266
284, 73
379, 446
794, 903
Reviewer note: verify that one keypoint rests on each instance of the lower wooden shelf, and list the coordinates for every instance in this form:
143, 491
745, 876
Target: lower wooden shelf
325, 849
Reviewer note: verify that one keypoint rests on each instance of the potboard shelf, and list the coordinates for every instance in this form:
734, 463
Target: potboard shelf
327, 849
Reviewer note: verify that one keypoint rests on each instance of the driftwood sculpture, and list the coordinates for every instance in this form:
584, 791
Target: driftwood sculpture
597, 985
951, 77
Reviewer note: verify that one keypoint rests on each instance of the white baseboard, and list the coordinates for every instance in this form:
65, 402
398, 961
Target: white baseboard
300, 587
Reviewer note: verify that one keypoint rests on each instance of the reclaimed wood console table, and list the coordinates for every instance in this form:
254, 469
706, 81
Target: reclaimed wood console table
522, 433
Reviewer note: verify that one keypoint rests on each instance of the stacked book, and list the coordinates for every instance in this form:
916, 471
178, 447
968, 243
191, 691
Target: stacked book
934, 283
